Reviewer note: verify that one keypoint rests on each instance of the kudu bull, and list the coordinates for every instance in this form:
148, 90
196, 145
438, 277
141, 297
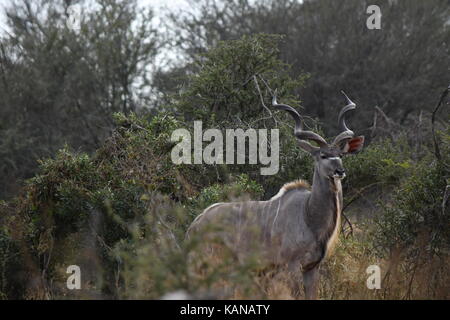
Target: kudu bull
299, 226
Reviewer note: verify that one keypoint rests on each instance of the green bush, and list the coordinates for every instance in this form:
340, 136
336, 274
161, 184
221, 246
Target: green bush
418, 215
224, 90
383, 163
109, 194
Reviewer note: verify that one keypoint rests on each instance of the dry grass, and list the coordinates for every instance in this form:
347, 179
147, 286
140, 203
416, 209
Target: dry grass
343, 276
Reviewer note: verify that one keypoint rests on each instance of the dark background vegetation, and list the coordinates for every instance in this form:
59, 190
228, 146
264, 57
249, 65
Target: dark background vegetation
86, 118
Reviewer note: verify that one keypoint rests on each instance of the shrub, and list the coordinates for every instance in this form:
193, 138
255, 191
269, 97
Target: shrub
224, 90
418, 210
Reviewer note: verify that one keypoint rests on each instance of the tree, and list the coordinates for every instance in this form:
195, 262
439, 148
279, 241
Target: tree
62, 85
400, 68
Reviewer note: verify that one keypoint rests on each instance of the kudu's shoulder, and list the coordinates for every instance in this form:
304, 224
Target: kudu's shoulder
298, 185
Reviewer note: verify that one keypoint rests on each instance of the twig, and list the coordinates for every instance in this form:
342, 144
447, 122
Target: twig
267, 86
359, 195
88, 126
262, 101
349, 224
445, 198
374, 126
433, 117
418, 135
388, 121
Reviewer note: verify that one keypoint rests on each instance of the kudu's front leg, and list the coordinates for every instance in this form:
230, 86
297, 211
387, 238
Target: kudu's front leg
311, 283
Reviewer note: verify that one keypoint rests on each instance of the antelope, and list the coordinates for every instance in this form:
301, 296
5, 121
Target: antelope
299, 226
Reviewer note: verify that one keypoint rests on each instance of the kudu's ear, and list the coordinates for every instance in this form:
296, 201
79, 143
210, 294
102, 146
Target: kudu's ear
352, 146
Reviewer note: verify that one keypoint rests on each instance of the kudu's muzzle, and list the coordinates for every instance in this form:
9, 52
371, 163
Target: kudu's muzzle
339, 173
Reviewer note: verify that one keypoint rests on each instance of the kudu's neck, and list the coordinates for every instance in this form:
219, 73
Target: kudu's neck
325, 200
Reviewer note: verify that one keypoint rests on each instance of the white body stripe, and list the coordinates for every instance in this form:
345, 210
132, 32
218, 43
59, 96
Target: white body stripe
210, 207
279, 194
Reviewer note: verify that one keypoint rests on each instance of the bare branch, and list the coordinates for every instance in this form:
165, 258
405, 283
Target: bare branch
262, 101
433, 118
445, 198
349, 224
